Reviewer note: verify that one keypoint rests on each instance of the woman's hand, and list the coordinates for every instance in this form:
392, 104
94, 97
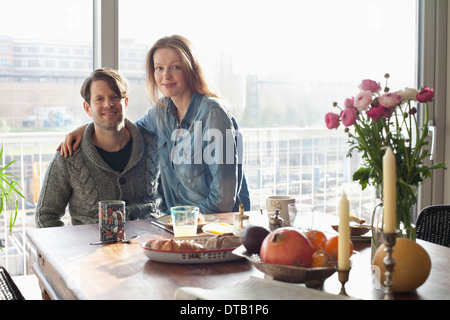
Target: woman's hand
72, 142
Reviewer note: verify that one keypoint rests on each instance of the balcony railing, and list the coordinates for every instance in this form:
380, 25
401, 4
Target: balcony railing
306, 163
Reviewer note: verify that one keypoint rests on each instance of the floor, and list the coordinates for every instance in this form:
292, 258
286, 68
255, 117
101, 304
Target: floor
28, 286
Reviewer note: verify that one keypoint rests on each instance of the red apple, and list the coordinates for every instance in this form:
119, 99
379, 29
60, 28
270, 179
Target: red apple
287, 246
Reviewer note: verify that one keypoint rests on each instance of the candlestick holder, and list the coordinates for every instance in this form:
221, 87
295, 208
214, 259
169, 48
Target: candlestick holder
343, 278
389, 263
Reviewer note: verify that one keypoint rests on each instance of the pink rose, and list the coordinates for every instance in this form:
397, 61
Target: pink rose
332, 120
390, 100
425, 95
370, 85
377, 112
348, 116
349, 102
363, 100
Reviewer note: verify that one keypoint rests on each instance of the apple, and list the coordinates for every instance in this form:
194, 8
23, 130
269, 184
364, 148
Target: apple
287, 246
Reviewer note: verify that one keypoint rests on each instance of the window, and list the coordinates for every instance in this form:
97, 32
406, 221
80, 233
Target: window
282, 64
40, 92
34, 52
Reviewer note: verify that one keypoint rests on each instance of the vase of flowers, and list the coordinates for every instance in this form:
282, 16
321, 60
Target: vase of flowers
375, 119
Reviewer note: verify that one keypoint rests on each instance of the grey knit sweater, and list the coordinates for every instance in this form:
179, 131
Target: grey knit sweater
84, 179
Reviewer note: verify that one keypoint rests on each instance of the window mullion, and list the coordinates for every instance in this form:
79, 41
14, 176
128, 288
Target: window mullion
106, 33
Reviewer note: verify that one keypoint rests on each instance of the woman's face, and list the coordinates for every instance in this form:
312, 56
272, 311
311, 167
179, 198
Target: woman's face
169, 75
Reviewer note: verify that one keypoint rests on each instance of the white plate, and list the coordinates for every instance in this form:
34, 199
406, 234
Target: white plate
216, 228
167, 220
190, 257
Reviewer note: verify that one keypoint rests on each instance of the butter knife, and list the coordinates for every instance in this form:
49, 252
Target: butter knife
114, 241
159, 225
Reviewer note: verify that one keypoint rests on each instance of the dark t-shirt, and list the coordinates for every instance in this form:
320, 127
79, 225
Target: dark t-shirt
117, 160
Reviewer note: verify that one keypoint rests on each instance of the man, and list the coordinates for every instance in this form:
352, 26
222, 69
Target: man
115, 161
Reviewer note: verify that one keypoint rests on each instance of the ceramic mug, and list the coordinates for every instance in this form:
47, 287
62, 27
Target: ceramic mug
111, 220
280, 203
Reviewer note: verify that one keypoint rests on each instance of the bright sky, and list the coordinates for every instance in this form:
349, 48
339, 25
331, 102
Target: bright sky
46, 19
309, 39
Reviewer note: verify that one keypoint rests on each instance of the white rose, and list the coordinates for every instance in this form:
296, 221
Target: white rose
408, 93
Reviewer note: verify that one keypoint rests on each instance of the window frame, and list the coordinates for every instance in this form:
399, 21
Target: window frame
432, 32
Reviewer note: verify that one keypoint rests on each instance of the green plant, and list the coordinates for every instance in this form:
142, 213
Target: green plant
10, 190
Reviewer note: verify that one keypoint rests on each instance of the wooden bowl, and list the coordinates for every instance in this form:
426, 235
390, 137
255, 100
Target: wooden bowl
311, 277
355, 230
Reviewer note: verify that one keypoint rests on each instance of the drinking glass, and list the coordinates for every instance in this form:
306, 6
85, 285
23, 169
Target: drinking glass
184, 220
301, 216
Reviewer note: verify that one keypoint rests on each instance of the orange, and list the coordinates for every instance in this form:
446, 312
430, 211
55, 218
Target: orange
321, 259
317, 239
331, 247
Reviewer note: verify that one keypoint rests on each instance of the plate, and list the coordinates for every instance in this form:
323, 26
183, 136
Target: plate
190, 257
167, 220
311, 277
216, 228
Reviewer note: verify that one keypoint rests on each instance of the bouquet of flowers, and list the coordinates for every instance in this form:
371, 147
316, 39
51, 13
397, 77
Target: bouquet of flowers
375, 120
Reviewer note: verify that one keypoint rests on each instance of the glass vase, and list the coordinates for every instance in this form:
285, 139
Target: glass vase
376, 224
405, 227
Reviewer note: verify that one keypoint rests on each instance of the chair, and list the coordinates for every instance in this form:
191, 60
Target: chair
433, 224
8, 289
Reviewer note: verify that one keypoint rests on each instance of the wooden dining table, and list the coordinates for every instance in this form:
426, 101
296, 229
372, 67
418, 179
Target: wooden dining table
69, 267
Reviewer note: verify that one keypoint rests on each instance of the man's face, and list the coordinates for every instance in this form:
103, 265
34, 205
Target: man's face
106, 108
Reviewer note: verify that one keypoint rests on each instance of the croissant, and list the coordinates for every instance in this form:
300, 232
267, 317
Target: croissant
190, 246
175, 245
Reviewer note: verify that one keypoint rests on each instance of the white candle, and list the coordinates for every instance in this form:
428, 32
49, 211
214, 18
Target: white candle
344, 234
389, 192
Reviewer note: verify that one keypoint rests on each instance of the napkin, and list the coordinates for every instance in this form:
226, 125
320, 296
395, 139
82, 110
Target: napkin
256, 289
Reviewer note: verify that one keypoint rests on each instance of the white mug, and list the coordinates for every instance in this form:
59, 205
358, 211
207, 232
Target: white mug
280, 203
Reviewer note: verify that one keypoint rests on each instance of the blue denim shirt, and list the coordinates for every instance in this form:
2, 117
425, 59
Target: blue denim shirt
201, 157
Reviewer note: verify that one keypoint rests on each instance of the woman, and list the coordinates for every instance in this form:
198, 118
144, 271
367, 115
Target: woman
200, 146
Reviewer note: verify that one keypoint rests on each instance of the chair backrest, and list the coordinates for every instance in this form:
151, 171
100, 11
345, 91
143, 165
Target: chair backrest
433, 224
8, 289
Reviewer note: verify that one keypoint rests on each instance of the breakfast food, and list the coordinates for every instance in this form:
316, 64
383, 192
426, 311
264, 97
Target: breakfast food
200, 218
175, 245
357, 220
214, 243
223, 241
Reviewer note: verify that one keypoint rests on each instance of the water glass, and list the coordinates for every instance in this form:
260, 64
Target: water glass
184, 220
301, 216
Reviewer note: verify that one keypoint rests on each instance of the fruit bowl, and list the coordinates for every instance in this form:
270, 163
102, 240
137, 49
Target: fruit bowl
355, 230
311, 277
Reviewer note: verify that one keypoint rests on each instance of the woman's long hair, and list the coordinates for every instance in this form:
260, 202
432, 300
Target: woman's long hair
193, 72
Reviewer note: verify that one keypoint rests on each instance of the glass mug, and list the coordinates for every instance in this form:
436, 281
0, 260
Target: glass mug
184, 220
